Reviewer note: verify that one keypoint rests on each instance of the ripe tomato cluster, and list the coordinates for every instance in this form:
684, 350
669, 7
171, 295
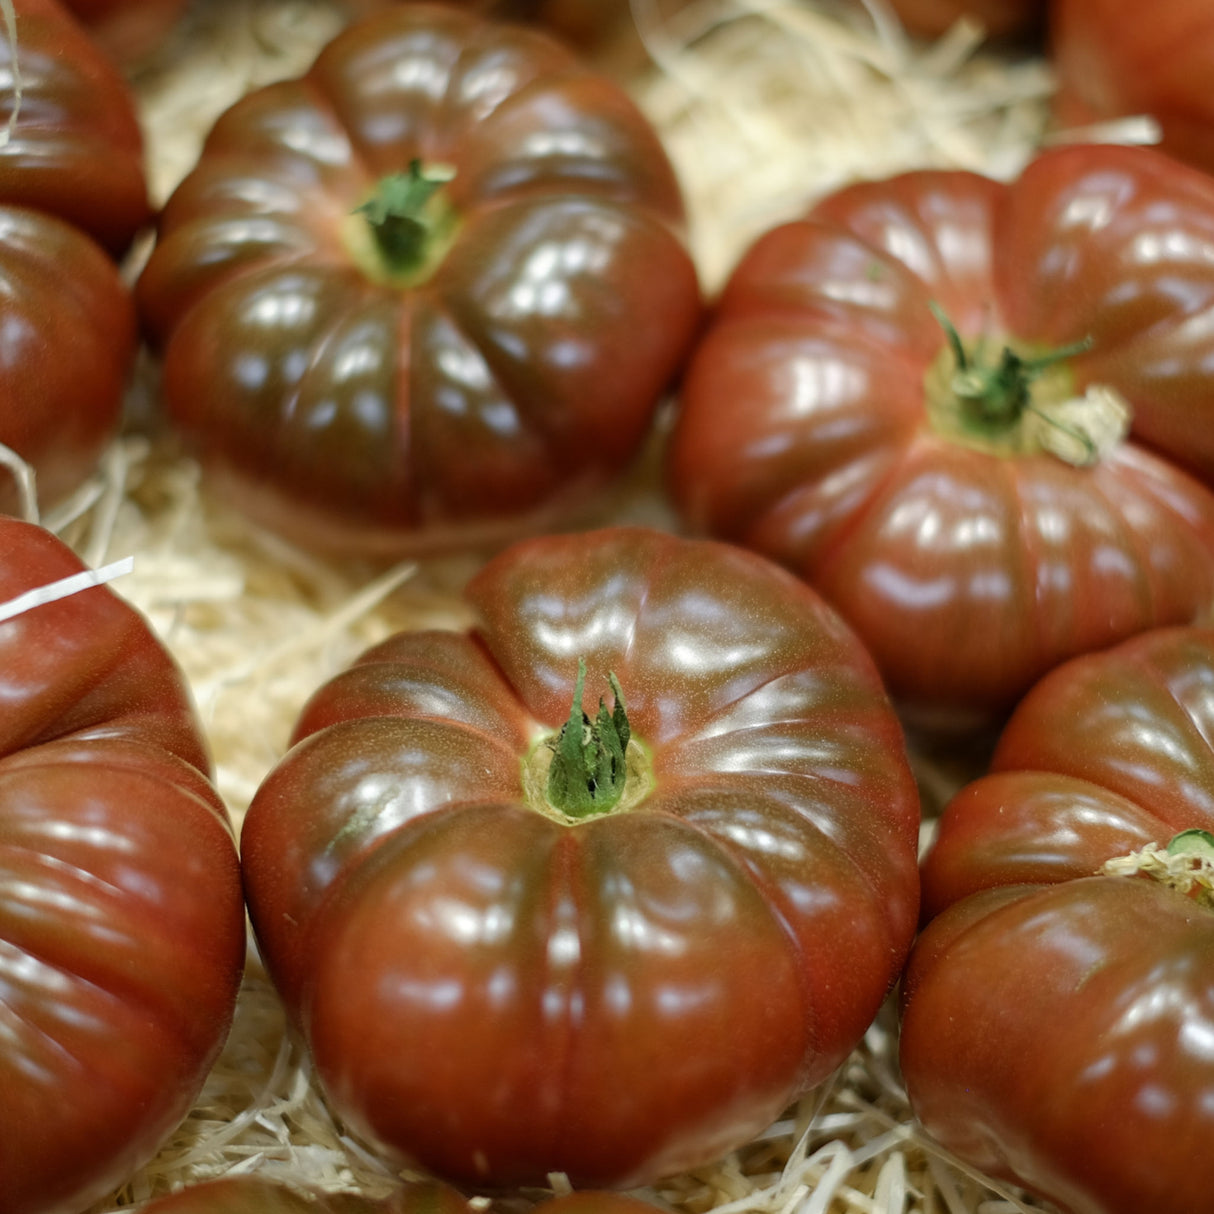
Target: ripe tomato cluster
603, 882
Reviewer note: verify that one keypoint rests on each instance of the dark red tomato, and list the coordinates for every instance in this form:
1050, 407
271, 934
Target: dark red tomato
1114, 59
492, 346
998, 18
251, 1195
71, 184
1059, 1018
129, 30
824, 420
121, 922
500, 988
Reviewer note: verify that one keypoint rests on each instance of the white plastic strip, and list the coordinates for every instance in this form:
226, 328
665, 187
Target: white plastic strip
64, 587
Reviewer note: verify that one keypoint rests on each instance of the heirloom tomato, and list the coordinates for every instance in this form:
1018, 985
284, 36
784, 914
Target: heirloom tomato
505, 970
1114, 59
430, 288
1058, 1023
252, 1195
71, 190
121, 921
880, 397
129, 30
998, 18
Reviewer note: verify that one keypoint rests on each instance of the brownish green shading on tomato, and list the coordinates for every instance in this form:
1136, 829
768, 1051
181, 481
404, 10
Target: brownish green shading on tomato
1114, 59
507, 964
1058, 1022
71, 191
122, 932
952, 492
431, 290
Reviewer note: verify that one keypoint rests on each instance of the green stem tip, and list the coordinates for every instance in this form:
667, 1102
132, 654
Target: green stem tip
408, 216
998, 393
589, 769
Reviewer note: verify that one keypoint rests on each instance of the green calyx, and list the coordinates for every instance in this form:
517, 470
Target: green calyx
988, 401
589, 767
410, 224
1199, 844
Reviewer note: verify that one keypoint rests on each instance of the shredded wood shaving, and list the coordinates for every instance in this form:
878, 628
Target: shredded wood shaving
765, 105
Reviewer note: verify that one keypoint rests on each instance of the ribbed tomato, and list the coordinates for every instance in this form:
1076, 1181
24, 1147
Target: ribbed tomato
129, 30
121, 920
431, 289
1114, 59
502, 971
1058, 1024
71, 190
953, 495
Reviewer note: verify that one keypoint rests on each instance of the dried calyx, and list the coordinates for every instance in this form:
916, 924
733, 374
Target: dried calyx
1021, 403
1185, 864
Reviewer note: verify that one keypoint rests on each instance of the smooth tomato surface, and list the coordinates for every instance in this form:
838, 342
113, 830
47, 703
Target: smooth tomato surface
121, 920
1114, 59
499, 991
811, 425
71, 190
516, 367
128, 29
1058, 1022
998, 18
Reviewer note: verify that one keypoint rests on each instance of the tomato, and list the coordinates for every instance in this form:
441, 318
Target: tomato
495, 352
121, 920
71, 189
1114, 59
130, 30
252, 1195
998, 18
824, 420
1058, 1022
500, 983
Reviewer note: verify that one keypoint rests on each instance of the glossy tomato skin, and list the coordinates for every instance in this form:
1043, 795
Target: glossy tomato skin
71, 191
804, 428
523, 372
1057, 1022
129, 30
1113, 60
121, 920
998, 18
77, 149
499, 993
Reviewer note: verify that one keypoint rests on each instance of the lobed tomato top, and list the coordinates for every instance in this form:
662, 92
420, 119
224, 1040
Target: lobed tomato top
500, 980
963, 497
430, 290
1058, 1010
121, 919
71, 191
